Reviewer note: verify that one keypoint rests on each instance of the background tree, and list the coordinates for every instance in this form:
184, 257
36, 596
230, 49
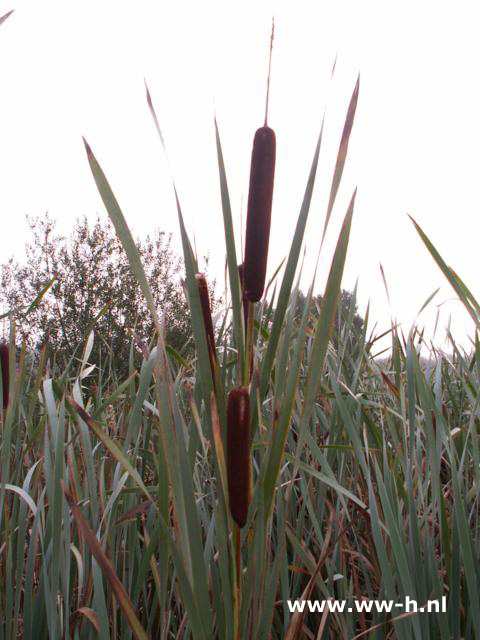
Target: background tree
93, 288
347, 318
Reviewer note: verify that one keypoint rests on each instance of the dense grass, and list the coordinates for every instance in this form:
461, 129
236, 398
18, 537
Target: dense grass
114, 504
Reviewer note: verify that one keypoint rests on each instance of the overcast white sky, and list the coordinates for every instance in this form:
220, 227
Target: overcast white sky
77, 68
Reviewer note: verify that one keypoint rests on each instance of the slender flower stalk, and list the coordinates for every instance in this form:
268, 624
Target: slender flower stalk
5, 373
238, 453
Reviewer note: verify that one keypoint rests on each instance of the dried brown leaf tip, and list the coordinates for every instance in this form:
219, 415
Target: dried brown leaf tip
207, 319
88, 148
5, 373
259, 210
238, 453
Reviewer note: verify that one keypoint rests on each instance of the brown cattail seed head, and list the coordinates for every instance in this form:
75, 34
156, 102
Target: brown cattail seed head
5, 373
238, 453
207, 318
259, 210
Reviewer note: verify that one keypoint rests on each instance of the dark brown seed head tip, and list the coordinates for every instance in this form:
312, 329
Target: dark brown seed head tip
5, 373
206, 311
238, 453
260, 195
201, 283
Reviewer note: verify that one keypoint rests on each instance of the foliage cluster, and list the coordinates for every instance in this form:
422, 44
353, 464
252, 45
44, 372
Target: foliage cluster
85, 281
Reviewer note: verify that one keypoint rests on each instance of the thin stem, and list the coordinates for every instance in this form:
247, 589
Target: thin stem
269, 67
238, 579
248, 370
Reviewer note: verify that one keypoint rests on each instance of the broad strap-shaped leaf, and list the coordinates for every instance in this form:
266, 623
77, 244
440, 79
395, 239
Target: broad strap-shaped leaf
122, 231
465, 295
342, 153
328, 309
231, 254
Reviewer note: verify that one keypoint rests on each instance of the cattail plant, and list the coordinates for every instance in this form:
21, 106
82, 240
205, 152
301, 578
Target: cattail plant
5, 373
207, 481
238, 453
259, 208
207, 320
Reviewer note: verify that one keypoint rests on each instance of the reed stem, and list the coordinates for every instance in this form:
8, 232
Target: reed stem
238, 580
249, 344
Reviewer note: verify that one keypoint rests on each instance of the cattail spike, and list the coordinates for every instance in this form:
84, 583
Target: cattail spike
259, 210
207, 319
238, 453
5, 373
